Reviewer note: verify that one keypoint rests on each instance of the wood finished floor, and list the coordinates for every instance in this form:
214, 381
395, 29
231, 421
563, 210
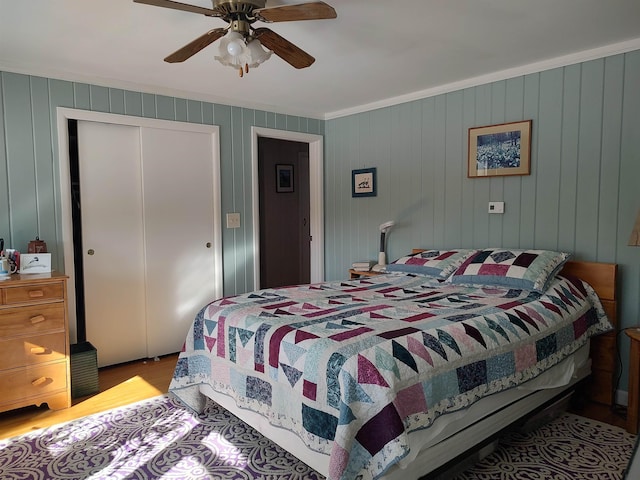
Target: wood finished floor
135, 381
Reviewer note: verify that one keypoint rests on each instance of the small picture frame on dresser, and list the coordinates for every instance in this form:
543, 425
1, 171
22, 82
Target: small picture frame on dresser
35, 263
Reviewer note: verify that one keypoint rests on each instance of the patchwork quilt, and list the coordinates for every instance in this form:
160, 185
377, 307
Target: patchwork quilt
352, 367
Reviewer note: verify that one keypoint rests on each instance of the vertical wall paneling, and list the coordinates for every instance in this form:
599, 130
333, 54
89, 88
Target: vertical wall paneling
20, 158
453, 168
165, 107
116, 101
181, 109
5, 226
528, 209
496, 184
569, 143
548, 158
481, 186
439, 171
589, 151
426, 234
99, 98
30, 202
581, 195
629, 197
610, 157
61, 94
468, 185
43, 155
194, 112
81, 96
149, 106
133, 103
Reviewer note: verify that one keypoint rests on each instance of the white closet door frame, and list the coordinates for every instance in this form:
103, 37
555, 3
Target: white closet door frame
65, 114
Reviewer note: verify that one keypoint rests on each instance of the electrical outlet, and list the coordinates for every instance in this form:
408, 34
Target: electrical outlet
496, 207
233, 220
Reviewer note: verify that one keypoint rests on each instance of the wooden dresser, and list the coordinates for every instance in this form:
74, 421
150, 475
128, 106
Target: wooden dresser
34, 341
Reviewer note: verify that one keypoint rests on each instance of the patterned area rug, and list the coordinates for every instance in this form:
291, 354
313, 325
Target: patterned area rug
153, 439
159, 438
567, 448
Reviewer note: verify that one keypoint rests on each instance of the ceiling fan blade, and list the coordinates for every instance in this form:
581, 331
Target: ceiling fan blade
180, 6
282, 47
302, 11
195, 46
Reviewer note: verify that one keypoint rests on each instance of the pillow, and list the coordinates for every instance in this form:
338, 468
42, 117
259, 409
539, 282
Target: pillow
522, 269
434, 263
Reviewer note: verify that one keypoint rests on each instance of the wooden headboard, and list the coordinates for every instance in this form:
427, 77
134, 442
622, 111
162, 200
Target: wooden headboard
602, 277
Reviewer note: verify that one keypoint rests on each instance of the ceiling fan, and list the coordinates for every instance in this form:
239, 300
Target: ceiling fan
241, 46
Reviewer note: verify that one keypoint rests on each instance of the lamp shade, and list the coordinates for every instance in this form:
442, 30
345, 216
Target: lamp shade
634, 239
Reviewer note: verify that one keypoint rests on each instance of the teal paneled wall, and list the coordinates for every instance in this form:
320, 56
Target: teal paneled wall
29, 176
582, 195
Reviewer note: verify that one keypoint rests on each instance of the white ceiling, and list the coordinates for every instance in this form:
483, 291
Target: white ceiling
375, 53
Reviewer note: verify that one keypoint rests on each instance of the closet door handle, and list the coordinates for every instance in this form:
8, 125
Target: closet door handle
91, 251
208, 244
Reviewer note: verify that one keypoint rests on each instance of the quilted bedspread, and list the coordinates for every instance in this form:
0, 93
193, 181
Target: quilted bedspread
351, 367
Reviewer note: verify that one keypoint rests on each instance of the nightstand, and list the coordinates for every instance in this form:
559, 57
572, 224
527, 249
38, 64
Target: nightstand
353, 274
634, 380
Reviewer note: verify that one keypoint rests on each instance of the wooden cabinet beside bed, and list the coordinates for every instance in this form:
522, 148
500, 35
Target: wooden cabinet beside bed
34, 341
601, 276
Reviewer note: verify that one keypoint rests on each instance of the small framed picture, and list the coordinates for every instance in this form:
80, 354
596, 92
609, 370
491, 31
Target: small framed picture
284, 178
35, 263
363, 182
497, 150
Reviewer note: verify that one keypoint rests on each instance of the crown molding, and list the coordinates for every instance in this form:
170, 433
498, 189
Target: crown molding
563, 61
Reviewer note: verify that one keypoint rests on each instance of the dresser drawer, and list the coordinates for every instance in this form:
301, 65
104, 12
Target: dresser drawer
29, 382
21, 352
31, 320
33, 293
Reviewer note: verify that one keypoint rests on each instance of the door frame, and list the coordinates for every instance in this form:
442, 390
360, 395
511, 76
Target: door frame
64, 114
316, 218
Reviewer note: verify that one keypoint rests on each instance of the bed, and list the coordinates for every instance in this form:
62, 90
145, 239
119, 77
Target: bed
392, 376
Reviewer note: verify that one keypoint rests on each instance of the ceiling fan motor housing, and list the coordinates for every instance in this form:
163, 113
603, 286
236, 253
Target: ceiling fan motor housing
231, 7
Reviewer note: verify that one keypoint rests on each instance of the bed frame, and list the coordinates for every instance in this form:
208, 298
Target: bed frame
518, 405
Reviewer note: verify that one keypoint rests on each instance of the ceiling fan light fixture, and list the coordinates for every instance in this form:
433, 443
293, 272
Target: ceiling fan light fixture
235, 52
257, 54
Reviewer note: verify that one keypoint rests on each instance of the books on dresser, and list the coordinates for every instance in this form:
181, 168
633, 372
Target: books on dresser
363, 266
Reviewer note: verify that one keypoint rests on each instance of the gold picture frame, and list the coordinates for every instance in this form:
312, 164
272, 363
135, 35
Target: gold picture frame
500, 150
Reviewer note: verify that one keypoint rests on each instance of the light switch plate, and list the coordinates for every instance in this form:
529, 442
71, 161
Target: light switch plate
233, 220
496, 207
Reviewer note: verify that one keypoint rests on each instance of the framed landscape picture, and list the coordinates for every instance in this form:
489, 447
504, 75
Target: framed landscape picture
363, 182
503, 149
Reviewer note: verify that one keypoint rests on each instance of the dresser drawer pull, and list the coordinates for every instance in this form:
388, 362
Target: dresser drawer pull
37, 319
40, 381
40, 351
36, 293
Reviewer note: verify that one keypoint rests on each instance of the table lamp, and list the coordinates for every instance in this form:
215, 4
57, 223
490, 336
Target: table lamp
384, 228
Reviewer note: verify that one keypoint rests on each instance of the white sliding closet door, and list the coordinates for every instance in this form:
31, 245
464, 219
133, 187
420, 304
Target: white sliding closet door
178, 185
112, 238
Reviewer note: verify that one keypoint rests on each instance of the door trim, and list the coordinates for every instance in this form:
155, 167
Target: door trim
64, 114
316, 221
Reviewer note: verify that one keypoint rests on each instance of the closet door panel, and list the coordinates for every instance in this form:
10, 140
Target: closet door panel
112, 238
178, 184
